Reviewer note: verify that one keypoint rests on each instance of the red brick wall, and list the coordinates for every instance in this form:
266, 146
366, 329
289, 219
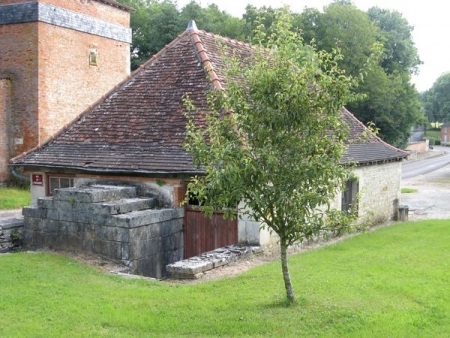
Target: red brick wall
5, 103
67, 83
51, 79
19, 64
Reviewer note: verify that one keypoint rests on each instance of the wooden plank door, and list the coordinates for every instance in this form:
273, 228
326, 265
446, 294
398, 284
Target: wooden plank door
202, 234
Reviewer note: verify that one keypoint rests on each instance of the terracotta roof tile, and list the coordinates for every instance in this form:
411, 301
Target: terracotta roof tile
140, 125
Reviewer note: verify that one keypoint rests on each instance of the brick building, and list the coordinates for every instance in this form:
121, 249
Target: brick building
56, 58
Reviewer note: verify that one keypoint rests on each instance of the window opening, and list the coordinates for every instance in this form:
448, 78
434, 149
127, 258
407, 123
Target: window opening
349, 196
59, 182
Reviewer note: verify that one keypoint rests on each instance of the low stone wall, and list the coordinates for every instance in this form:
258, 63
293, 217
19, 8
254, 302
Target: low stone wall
11, 234
110, 222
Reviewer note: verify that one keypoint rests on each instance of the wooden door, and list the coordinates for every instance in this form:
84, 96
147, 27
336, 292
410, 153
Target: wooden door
202, 234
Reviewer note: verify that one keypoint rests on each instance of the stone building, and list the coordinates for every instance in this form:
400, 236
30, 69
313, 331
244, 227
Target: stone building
56, 58
134, 138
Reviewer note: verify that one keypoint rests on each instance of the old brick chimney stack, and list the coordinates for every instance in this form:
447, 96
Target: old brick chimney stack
57, 57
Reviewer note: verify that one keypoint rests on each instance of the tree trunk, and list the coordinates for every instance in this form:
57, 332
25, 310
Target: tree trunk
285, 269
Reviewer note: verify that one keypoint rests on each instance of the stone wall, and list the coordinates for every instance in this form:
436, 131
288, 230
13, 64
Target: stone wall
10, 234
379, 192
379, 199
108, 221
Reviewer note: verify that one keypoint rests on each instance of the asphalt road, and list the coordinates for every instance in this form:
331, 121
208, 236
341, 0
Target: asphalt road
430, 179
427, 165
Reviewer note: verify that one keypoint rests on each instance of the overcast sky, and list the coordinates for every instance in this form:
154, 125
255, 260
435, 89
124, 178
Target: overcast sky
430, 18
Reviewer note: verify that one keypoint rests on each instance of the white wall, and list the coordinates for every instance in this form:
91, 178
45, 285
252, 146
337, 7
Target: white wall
379, 197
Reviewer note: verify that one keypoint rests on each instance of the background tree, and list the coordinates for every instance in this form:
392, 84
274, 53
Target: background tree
436, 100
269, 155
156, 23
391, 101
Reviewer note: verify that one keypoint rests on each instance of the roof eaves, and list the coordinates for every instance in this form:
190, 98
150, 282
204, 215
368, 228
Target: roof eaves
112, 171
403, 152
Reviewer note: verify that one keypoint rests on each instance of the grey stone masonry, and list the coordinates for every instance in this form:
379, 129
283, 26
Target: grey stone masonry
29, 12
10, 234
196, 267
109, 221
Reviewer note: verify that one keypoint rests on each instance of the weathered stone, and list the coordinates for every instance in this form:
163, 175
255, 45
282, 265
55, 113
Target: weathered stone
128, 205
34, 211
94, 194
145, 217
194, 267
125, 229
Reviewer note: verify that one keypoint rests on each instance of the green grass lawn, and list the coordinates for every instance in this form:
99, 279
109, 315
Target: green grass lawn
434, 134
392, 282
11, 198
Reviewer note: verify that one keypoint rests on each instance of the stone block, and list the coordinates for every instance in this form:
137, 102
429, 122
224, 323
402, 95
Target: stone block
150, 266
107, 233
145, 217
110, 249
173, 226
145, 248
145, 233
128, 205
12, 223
189, 267
33, 224
45, 202
171, 242
94, 194
34, 212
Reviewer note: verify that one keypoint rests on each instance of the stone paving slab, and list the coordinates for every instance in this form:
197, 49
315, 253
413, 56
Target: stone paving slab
195, 267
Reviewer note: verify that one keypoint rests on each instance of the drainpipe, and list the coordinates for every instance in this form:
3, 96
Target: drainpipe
20, 175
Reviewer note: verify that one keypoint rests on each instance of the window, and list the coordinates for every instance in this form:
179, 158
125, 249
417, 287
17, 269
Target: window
59, 182
93, 55
349, 196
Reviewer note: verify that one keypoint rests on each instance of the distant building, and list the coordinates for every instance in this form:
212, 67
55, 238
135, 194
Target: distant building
56, 58
445, 134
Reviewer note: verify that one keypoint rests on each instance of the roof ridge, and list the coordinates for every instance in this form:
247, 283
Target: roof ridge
204, 59
373, 134
233, 41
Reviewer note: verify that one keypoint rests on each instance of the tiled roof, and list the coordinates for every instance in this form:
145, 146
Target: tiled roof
445, 125
139, 126
364, 147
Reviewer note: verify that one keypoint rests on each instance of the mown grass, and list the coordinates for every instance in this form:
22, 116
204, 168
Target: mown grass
392, 282
408, 190
434, 134
12, 198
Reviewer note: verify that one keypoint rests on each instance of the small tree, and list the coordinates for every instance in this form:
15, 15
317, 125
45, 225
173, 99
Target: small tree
273, 139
